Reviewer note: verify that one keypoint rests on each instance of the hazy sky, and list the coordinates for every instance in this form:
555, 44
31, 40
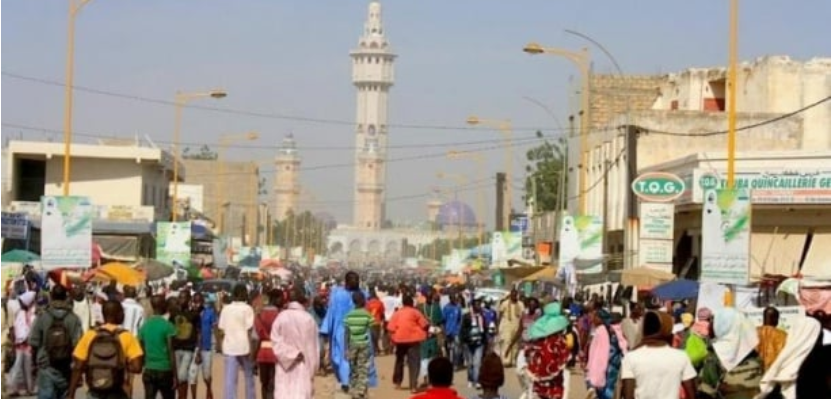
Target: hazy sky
290, 58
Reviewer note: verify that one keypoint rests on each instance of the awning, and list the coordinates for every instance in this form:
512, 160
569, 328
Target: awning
548, 275
775, 253
644, 277
818, 262
123, 248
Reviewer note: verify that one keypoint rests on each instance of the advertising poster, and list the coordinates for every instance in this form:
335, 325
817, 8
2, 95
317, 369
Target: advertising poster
657, 233
248, 257
173, 243
66, 232
725, 236
15, 225
581, 243
505, 245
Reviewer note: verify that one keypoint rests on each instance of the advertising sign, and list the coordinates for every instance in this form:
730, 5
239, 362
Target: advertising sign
657, 221
725, 236
658, 186
15, 225
770, 187
581, 243
519, 224
66, 232
173, 243
505, 246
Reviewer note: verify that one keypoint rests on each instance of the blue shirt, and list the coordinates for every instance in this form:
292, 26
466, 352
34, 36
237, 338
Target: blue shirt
490, 318
452, 319
209, 320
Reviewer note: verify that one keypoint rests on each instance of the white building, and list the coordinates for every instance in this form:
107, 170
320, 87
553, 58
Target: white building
372, 75
125, 182
686, 116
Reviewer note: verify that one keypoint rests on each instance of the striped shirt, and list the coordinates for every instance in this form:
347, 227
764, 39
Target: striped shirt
133, 315
358, 323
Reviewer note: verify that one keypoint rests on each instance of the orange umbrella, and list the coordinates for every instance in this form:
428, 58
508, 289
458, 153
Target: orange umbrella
120, 272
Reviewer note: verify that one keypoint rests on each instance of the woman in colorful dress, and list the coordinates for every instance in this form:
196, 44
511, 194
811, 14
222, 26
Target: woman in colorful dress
546, 354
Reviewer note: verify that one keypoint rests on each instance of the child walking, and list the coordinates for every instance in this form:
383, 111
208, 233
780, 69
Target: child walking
358, 327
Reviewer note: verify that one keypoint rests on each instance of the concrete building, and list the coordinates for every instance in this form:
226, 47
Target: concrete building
791, 196
372, 75
125, 181
234, 185
287, 178
687, 116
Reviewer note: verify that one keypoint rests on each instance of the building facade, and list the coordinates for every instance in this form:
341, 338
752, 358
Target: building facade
372, 75
287, 178
131, 182
230, 194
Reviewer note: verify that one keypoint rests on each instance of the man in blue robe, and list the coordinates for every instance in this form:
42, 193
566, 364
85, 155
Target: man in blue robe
340, 303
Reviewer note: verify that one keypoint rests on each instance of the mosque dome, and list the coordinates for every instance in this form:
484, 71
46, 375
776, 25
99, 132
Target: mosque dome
454, 213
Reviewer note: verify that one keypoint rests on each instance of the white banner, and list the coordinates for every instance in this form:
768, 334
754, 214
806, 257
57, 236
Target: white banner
788, 315
66, 232
725, 236
657, 234
581, 243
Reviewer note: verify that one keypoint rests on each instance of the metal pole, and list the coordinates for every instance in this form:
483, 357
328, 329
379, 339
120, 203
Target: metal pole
177, 131
732, 82
68, 87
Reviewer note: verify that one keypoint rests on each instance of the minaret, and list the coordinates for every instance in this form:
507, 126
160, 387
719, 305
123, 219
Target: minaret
372, 75
287, 181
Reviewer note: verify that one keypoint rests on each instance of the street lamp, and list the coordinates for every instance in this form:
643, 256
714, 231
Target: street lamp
224, 141
582, 60
180, 100
504, 127
480, 161
75, 6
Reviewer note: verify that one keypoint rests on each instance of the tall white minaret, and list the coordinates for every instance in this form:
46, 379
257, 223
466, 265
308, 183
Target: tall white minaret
372, 75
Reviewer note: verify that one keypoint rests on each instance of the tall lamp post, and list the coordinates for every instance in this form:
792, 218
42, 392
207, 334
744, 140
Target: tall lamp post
75, 7
180, 100
224, 141
582, 60
504, 126
461, 180
480, 164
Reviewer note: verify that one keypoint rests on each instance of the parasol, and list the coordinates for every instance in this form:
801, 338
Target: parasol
154, 269
677, 290
19, 256
118, 272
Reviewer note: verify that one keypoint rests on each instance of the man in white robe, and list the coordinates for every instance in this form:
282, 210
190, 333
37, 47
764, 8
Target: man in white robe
294, 339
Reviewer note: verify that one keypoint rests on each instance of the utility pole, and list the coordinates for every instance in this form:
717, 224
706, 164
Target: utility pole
631, 230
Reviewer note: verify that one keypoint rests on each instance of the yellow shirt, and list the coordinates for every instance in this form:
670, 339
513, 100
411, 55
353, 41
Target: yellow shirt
771, 342
129, 344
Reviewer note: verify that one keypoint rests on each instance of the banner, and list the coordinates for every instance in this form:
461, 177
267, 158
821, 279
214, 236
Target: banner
248, 257
788, 315
725, 236
581, 243
505, 245
657, 233
66, 232
15, 225
766, 186
173, 243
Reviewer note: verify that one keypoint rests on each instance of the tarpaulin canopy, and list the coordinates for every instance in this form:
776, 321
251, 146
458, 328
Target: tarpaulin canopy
645, 277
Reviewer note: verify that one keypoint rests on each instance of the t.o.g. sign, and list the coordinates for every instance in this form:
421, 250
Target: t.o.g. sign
658, 187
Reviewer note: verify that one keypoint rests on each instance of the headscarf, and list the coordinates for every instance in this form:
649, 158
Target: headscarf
657, 328
735, 337
551, 322
687, 320
604, 316
491, 372
701, 327
27, 298
802, 338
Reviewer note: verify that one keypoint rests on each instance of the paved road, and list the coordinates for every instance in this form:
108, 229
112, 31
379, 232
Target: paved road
325, 386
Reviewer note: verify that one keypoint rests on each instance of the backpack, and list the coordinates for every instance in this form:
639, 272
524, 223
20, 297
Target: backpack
184, 327
106, 364
58, 342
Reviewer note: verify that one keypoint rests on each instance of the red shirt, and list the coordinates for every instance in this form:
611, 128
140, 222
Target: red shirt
376, 308
438, 393
262, 325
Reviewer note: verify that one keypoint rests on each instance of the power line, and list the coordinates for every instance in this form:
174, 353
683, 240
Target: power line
239, 112
746, 127
272, 147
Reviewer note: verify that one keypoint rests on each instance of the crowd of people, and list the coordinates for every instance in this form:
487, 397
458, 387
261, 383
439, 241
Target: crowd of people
286, 335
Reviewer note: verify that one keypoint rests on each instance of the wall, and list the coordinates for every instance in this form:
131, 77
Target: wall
105, 181
238, 181
608, 147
